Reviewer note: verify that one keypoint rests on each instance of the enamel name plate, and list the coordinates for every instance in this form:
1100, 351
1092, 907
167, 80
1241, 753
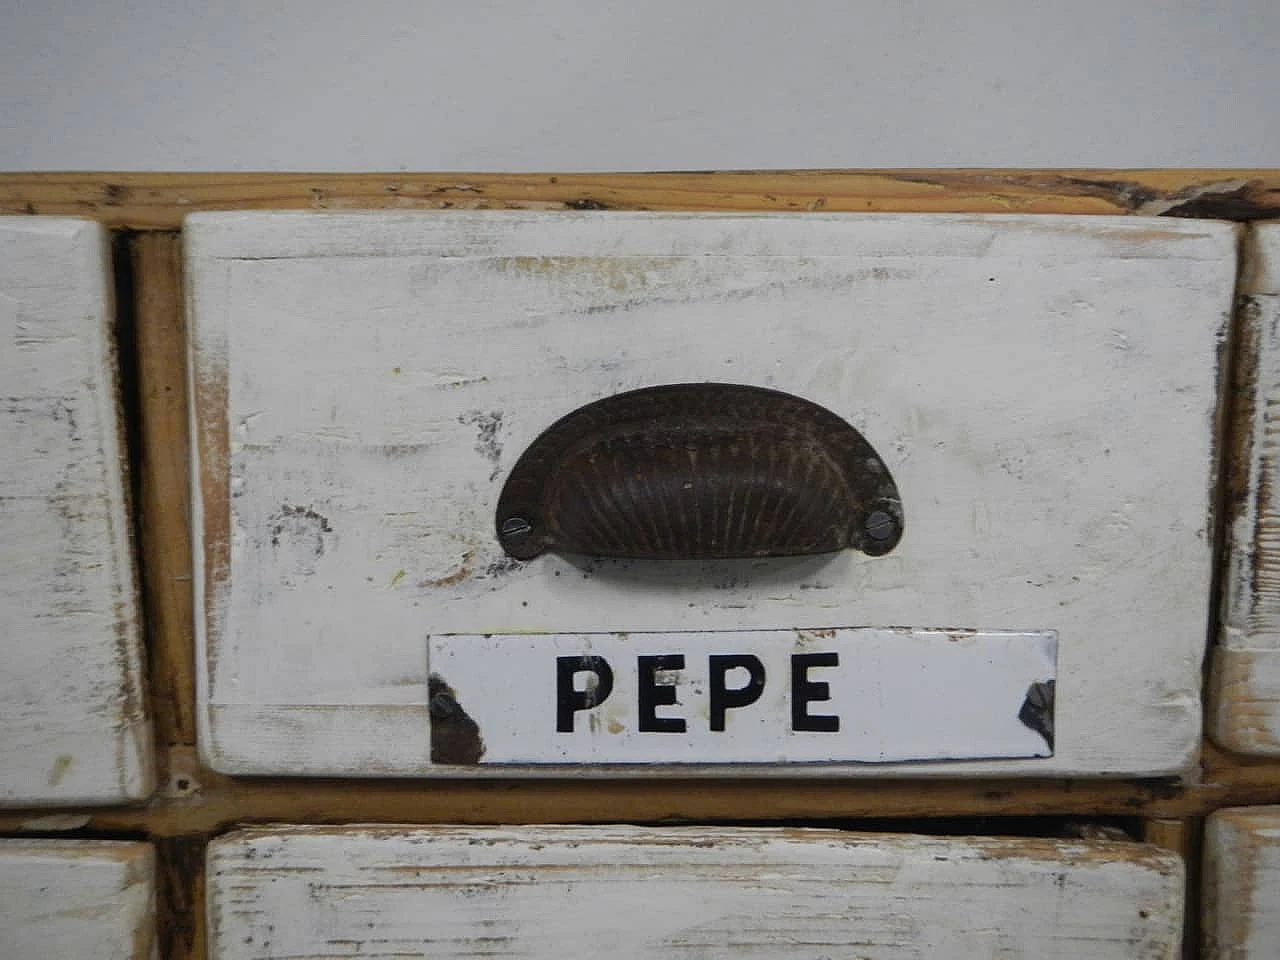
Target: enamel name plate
853, 695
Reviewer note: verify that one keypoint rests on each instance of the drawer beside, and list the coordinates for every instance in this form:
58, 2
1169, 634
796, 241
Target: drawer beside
72, 709
76, 900
1244, 712
1241, 909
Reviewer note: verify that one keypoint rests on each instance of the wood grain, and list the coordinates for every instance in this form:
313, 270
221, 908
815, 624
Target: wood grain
159, 201
305, 892
76, 900
72, 703
200, 802
210, 802
164, 475
1241, 907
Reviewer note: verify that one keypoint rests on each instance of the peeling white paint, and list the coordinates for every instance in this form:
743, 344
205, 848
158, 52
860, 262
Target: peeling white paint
77, 900
71, 701
1242, 884
1244, 714
574, 892
1043, 390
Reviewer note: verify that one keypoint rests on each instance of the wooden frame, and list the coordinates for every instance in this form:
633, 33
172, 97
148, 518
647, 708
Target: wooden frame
190, 801
72, 702
159, 201
146, 211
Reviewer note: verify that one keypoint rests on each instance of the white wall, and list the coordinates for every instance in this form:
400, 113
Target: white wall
485, 85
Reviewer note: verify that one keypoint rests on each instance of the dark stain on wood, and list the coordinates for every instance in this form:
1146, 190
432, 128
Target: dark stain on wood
1251, 201
1224, 445
1155, 789
1238, 480
1124, 193
127, 401
300, 522
501, 567
488, 426
180, 896
585, 203
1227, 199
114, 194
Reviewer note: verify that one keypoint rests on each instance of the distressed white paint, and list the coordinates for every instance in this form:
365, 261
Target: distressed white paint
1241, 915
1244, 713
895, 694
566, 892
71, 704
1043, 390
76, 900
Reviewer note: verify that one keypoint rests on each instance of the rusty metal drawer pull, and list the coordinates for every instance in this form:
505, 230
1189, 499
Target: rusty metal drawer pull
699, 471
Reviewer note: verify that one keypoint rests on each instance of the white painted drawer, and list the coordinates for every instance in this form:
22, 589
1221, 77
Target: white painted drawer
76, 900
1241, 916
72, 713
1245, 708
699, 892
1043, 391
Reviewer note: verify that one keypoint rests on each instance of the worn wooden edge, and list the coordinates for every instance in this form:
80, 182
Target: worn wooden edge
121, 719
159, 201
1233, 839
1171, 834
1182, 837
181, 917
163, 470
209, 437
1244, 701
1241, 464
199, 802
135, 730
136, 865
1243, 693
1130, 892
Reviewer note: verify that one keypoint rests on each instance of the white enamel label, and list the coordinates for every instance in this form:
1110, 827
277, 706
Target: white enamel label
745, 696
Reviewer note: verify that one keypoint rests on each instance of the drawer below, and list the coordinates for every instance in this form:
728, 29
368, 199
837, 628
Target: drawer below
638, 892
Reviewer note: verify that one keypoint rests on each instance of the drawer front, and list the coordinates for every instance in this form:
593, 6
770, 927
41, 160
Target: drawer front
1043, 392
71, 701
1241, 911
700, 892
76, 900
1245, 710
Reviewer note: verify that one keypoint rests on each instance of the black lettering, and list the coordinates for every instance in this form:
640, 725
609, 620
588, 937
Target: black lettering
654, 694
805, 691
723, 699
568, 700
